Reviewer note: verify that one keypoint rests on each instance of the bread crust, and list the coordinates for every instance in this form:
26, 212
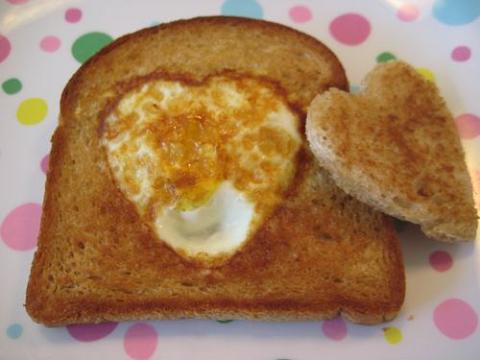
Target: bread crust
395, 147
321, 253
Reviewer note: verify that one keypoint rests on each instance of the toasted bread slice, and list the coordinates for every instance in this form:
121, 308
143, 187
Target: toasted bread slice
320, 254
395, 147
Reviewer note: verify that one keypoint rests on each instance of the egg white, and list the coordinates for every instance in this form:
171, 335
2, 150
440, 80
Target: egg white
216, 228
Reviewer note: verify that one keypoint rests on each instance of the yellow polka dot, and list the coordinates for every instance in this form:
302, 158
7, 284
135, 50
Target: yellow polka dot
32, 111
393, 335
427, 74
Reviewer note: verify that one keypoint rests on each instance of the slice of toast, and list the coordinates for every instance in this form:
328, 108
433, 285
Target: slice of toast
320, 254
395, 147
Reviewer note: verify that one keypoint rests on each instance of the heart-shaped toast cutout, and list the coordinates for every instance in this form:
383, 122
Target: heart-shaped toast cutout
204, 163
395, 146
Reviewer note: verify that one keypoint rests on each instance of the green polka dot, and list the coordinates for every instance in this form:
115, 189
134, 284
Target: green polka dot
12, 86
89, 44
385, 56
32, 111
393, 335
400, 225
224, 321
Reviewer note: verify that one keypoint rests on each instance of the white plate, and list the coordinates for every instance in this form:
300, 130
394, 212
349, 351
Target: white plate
440, 317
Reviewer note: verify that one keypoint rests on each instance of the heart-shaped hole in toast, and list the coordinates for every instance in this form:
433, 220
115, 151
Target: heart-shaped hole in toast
204, 163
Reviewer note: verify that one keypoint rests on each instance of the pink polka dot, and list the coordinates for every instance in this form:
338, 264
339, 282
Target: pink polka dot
408, 12
50, 43
350, 29
17, 2
440, 260
44, 163
455, 319
91, 332
5, 48
335, 329
140, 341
300, 14
73, 15
461, 53
468, 126
19, 229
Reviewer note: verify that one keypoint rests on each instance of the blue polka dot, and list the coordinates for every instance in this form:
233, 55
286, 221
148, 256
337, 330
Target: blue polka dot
245, 8
14, 331
354, 89
456, 12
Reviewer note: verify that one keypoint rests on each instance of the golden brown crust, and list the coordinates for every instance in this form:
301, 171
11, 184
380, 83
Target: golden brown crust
320, 254
395, 147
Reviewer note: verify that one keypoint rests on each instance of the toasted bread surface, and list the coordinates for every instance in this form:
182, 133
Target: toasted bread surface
395, 147
321, 253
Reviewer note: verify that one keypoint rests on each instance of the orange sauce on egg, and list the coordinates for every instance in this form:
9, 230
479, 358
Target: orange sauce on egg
210, 132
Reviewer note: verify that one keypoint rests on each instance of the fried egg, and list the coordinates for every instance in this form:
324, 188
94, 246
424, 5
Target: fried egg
205, 164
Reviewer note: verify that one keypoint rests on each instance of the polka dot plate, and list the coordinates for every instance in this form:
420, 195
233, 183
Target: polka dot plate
43, 42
